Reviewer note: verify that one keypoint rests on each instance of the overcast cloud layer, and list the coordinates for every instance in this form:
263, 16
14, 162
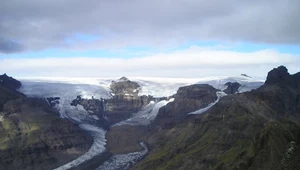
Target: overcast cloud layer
193, 62
35, 24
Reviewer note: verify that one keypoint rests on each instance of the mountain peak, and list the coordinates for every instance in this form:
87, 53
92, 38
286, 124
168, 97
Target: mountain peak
124, 78
279, 75
9, 82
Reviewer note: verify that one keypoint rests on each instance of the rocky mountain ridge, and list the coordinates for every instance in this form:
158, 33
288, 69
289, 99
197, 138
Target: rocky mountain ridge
32, 135
252, 130
187, 99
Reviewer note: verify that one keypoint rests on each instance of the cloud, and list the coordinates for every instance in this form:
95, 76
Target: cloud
7, 46
49, 23
192, 62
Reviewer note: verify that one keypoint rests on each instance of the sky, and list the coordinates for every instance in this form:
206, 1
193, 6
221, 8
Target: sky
157, 38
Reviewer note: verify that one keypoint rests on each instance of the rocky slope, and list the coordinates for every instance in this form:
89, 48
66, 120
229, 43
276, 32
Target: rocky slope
32, 135
187, 99
254, 130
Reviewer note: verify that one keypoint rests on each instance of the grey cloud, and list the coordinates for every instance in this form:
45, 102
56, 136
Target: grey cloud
43, 24
8, 46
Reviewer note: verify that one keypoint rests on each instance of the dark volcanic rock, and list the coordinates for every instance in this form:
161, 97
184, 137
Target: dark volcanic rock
280, 76
187, 99
9, 82
8, 86
232, 88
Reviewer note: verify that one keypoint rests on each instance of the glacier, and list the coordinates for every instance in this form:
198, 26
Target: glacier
69, 88
146, 115
247, 83
97, 147
124, 161
202, 110
68, 92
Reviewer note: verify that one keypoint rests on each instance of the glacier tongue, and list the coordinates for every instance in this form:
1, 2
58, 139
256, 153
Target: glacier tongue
146, 115
97, 148
124, 161
202, 110
68, 92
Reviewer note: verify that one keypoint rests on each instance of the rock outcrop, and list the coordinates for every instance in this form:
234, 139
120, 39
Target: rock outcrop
95, 107
187, 99
232, 87
32, 135
280, 76
9, 82
125, 100
8, 86
124, 87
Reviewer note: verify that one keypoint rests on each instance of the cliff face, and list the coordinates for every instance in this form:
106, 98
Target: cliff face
253, 130
125, 100
32, 135
187, 99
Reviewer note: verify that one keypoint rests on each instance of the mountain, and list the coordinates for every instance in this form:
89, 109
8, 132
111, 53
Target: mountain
252, 130
128, 112
187, 99
32, 135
